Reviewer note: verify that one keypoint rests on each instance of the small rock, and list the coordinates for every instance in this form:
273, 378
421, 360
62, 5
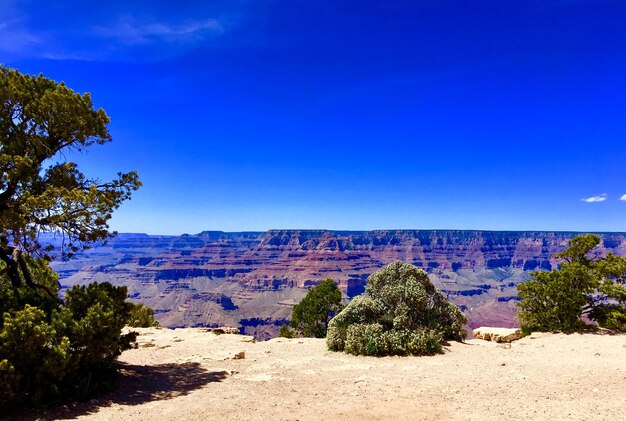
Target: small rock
240, 356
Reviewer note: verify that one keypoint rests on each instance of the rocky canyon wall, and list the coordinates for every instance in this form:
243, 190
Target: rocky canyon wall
252, 280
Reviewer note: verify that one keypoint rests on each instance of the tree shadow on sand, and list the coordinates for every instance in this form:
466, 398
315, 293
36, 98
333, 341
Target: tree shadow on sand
138, 384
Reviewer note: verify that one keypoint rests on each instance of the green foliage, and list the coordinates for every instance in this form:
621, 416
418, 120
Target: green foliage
401, 313
285, 332
610, 316
41, 120
372, 339
585, 284
141, 316
50, 351
361, 310
34, 352
311, 316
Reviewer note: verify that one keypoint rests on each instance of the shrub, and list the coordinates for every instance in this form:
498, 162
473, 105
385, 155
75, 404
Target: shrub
33, 353
365, 339
141, 316
585, 284
401, 313
311, 316
610, 316
51, 351
285, 332
360, 310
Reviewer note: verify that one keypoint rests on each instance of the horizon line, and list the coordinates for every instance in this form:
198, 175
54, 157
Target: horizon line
377, 229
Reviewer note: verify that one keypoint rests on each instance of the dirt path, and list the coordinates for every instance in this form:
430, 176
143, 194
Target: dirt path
191, 374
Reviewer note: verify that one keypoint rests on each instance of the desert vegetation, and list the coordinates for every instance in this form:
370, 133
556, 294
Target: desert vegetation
141, 315
310, 316
585, 286
401, 313
51, 348
52, 351
55, 348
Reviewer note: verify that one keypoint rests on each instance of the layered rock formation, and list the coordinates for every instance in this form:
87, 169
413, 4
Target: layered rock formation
253, 279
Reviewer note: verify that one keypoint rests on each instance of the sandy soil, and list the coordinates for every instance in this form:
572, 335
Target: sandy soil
190, 374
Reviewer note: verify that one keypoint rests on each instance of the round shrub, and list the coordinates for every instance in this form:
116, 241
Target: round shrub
401, 313
359, 311
53, 351
365, 339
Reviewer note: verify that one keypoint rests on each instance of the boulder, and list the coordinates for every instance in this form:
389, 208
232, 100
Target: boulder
497, 334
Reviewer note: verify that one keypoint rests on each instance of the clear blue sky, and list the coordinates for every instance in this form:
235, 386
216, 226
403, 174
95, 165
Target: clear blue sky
251, 115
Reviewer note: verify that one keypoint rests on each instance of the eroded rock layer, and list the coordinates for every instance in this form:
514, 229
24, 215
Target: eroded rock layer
253, 279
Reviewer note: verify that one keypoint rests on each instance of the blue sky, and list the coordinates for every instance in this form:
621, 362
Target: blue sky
251, 115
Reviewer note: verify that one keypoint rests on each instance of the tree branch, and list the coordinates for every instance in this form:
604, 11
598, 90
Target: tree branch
29, 279
11, 269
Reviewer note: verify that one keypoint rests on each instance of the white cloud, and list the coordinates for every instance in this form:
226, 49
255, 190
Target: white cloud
14, 38
596, 199
102, 43
129, 32
623, 198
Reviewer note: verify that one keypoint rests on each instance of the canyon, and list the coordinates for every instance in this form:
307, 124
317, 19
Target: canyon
252, 280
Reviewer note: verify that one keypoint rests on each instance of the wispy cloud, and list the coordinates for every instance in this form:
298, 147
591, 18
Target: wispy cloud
14, 38
623, 198
151, 35
129, 32
599, 198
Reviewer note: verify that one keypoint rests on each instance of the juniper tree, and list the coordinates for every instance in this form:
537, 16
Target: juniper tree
311, 316
585, 284
50, 349
40, 190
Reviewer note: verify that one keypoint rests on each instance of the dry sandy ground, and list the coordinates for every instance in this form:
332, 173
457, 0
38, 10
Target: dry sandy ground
189, 374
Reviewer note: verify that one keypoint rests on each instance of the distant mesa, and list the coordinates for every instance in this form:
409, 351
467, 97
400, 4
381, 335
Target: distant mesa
253, 279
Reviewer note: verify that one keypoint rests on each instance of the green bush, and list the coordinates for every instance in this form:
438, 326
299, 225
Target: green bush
585, 285
401, 313
51, 351
365, 339
610, 316
141, 316
310, 317
285, 332
361, 310
34, 354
